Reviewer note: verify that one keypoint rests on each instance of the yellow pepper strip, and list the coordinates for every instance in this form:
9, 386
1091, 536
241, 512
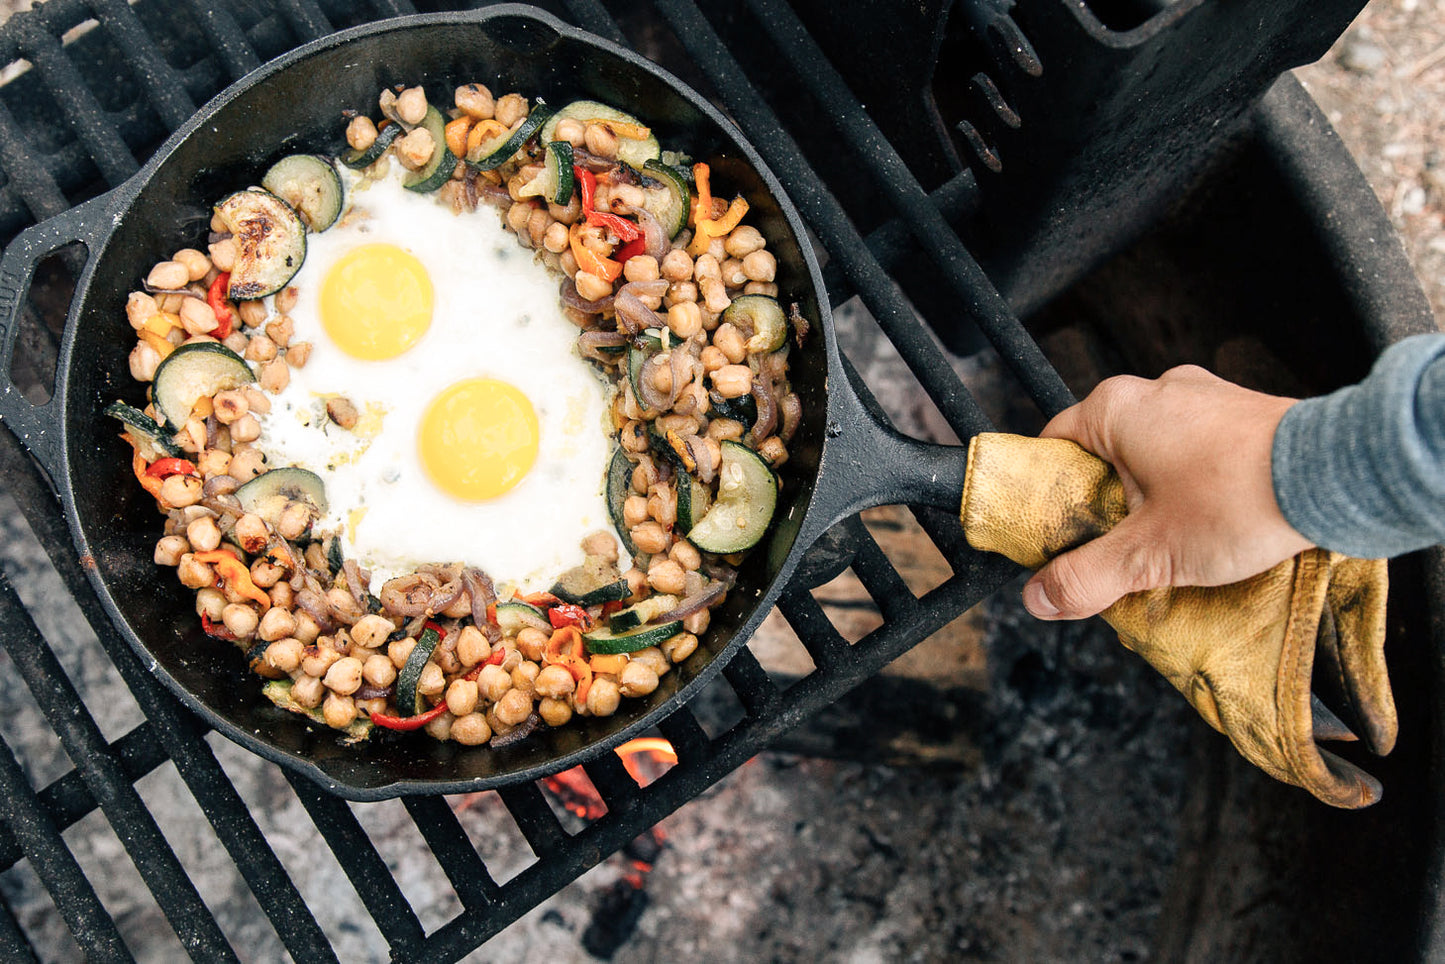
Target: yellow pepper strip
203, 408
456, 135
702, 204
590, 261
162, 347
633, 132
611, 665
484, 131
162, 322
236, 574
138, 465
710, 228
680, 447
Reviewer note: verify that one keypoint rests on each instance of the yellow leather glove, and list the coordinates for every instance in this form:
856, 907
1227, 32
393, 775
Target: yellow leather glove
1242, 654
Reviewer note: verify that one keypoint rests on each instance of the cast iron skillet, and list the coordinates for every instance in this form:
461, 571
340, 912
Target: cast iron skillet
841, 459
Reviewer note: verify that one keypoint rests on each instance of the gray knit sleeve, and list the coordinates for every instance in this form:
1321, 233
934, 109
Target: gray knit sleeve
1362, 471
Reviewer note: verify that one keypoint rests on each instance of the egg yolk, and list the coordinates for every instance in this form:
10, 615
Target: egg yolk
376, 302
478, 438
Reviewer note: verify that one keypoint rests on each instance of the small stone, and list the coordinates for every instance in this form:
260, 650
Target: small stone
1362, 58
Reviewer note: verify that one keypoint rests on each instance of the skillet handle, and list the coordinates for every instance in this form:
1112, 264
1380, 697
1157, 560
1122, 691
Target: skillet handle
867, 463
38, 427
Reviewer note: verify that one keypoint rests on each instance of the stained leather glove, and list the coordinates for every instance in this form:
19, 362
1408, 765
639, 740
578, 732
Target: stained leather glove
1242, 654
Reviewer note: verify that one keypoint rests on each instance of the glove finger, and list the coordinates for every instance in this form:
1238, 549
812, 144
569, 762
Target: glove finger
1091, 578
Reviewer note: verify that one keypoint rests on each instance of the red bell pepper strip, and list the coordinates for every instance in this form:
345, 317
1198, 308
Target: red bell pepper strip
586, 185
566, 614
631, 249
620, 226
214, 631
409, 722
541, 599
216, 298
163, 468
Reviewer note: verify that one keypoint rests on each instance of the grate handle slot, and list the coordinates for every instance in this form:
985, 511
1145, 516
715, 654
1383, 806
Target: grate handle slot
689, 740
612, 781
535, 819
751, 683
454, 851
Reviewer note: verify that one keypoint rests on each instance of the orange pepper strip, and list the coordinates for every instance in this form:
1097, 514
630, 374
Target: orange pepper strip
483, 131
456, 135
702, 206
162, 347
633, 132
139, 466
591, 262
710, 228
562, 637
611, 664
234, 571
581, 672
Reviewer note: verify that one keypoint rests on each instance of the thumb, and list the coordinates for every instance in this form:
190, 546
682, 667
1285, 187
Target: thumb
1087, 580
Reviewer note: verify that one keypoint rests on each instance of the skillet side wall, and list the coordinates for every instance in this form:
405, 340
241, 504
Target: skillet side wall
300, 109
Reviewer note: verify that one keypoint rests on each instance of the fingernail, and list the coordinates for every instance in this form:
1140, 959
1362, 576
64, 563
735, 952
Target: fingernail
1037, 602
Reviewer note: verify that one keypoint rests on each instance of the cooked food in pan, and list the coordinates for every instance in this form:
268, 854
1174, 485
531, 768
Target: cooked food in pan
416, 485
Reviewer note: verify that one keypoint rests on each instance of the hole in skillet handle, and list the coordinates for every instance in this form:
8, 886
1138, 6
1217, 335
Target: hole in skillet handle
522, 34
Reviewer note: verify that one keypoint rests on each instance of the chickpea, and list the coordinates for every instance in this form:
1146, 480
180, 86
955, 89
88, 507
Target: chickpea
730, 341
761, 288
298, 354
247, 464
652, 658
399, 649
733, 381
743, 241
649, 537
281, 330
684, 319
361, 132
229, 406
411, 105
697, 622
532, 642
275, 376
252, 313
338, 710
714, 295
197, 317
282, 595
554, 682
475, 100
179, 491
493, 682
461, 697
510, 109
554, 712
662, 375
680, 291
266, 574
537, 224
636, 582
236, 341
240, 619
140, 308
203, 534
285, 654
524, 676
318, 659
679, 647
676, 265
344, 676
514, 707
685, 554
601, 140
667, 576
662, 505
197, 264
760, 266
308, 692
245, 429
472, 646
773, 451
169, 275
370, 631
591, 287
295, 520
712, 359
471, 730
571, 130
143, 362
601, 544
603, 697
518, 215
432, 680
637, 679
170, 549
276, 624
378, 671
223, 254
556, 239
641, 267
210, 603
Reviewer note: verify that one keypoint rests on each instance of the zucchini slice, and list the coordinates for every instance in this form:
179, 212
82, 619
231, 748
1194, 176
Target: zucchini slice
150, 440
747, 494
669, 200
437, 171
632, 151
642, 613
193, 371
278, 691
619, 487
693, 501
408, 700
741, 409
594, 582
309, 184
514, 616
556, 181
268, 494
500, 149
607, 643
270, 242
356, 160
762, 316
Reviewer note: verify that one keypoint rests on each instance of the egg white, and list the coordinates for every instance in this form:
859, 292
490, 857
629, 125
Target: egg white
496, 315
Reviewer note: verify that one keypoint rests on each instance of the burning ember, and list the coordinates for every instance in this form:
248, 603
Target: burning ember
621, 904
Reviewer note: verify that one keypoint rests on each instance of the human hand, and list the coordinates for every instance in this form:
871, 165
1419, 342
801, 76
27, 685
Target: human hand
1193, 453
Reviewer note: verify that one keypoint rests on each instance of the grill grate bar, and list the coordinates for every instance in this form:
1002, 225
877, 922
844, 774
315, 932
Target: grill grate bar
164, 86
29, 178
590, 15
814, 629
364, 867
826, 216
14, 945
55, 865
537, 822
751, 682
87, 118
612, 781
226, 38
454, 851
881, 579
306, 17
689, 740
984, 305
68, 799
177, 731
133, 823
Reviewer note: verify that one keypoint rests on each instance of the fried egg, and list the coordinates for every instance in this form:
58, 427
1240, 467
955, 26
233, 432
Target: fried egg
482, 436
